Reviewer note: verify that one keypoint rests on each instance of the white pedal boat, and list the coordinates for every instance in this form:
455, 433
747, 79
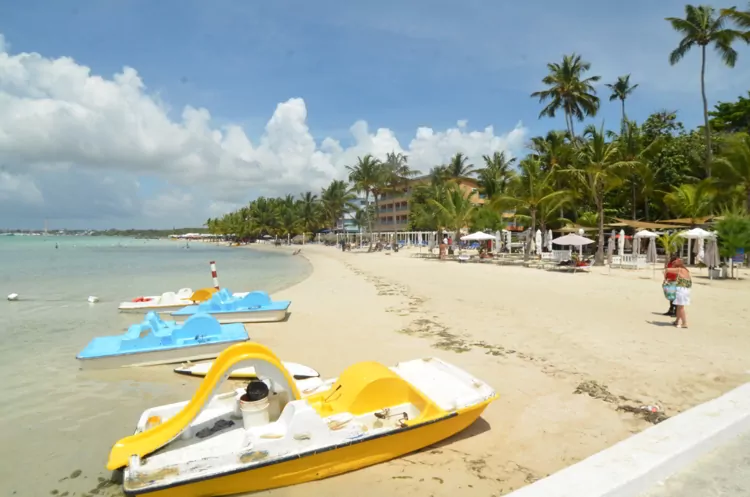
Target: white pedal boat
168, 302
296, 430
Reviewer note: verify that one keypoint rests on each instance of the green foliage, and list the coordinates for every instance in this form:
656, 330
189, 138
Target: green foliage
731, 117
670, 242
734, 233
569, 91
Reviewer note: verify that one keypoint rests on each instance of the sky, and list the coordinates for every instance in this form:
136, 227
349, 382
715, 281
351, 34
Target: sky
143, 114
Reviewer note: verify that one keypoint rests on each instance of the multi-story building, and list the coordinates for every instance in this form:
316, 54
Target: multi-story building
394, 207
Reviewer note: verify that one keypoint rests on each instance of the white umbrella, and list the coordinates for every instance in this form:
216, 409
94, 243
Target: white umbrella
621, 243
549, 240
575, 240
538, 241
610, 248
508, 240
697, 233
645, 234
478, 237
572, 239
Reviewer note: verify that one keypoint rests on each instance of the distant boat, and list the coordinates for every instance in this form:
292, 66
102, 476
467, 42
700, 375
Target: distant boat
254, 307
154, 341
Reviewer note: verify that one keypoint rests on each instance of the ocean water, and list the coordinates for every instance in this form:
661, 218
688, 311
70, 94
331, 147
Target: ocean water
57, 423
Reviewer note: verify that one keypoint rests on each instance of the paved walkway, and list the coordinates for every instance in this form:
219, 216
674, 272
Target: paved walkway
724, 472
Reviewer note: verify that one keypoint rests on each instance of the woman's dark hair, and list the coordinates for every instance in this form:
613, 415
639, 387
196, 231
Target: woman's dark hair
674, 257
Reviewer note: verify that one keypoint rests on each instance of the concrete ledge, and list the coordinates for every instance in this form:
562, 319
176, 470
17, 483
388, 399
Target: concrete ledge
634, 465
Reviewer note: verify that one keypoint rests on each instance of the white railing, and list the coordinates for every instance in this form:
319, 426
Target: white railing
636, 261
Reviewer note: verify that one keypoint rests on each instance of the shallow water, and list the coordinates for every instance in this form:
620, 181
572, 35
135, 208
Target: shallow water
57, 421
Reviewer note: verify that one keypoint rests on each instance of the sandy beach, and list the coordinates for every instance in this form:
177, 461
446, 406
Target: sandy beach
536, 336
569, 354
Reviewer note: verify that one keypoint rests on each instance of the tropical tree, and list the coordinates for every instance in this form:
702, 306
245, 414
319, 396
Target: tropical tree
671, 243
741, 18
703, 27
568, 90
598, 172
692, 201
621, 90
458, 167
533, 190
733, 231
262, 216
454, 210
494, 177
637, 153
733, 167
336, 200
366, 177
309, 211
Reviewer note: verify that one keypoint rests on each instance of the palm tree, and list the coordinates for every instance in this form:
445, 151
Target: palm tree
636, 153
366, 176
336, 200
458, 168
598, 173
569, 91
455, 209
733, 168
621, 90
532, 190
494, 177
741, 19
309, 212
692, 200
702, 27
671, 243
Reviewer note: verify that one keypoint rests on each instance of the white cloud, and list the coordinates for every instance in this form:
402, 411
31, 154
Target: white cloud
58, 118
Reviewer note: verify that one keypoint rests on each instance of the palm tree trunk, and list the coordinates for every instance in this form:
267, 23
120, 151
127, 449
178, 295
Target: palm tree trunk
706, 125
632, 188
645, 207
377, 216
369, 217
599, 259
624, 117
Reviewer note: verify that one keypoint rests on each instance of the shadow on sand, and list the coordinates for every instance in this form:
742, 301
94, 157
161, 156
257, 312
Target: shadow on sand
477, 428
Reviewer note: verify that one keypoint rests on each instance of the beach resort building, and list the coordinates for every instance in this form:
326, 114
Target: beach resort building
394, 207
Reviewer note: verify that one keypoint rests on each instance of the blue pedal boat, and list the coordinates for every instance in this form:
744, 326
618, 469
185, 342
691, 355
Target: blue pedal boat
155, 341
255, 307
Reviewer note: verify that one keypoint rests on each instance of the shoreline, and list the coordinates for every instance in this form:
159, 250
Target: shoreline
563, 351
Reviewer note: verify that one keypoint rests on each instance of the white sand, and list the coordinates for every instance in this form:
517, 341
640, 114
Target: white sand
542, 334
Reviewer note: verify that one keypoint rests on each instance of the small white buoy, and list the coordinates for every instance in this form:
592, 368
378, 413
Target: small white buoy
13, 296
93, 300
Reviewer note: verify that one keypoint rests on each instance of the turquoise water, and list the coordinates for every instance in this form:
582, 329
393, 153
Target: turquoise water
55, 419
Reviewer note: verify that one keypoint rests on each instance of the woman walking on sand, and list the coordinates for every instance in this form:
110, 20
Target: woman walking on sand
683, 283
669, 287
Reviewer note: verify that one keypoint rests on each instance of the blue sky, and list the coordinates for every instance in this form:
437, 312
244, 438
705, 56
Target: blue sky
397, 65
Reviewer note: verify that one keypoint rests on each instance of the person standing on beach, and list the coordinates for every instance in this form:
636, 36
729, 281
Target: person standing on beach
668, 284
683, 283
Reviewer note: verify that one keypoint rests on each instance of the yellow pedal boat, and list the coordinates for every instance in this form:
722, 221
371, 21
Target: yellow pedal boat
278, 433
